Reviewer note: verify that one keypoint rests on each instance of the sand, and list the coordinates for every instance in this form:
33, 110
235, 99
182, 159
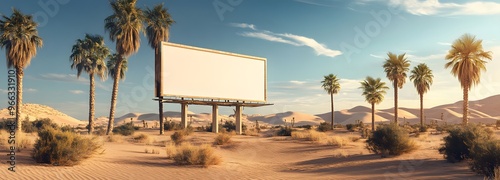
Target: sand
250, 157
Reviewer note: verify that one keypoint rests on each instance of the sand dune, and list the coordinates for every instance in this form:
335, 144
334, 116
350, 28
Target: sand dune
37, 111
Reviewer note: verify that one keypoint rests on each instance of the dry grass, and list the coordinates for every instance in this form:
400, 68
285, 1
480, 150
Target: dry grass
187, 154
171, 150
23, 142
143, 138
152, 151
336, 141
341, 154
251, 133
222, 138
115, 138
308, 135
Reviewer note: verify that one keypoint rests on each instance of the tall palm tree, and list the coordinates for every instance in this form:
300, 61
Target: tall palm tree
421, 76
395, 68
112, 64
124, 27
467, 59
19, 37
88, 55
331, 85
373, 90
158, 22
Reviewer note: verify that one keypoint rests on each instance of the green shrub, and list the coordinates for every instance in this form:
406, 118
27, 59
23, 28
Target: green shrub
222, 138
188, 154
390, 140
485, 158
351, 127
37, 125
458, 143
125, 129
284, 131
324, 126
67, 128
62, 148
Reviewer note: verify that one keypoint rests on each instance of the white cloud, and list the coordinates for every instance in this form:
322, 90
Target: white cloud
287, 38
268, 37
435, 7
30, 90
244, 25
297, 82
376, 56
76, 92
444, 43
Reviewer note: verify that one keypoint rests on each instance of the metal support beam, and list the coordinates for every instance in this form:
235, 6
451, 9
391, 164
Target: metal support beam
215, 115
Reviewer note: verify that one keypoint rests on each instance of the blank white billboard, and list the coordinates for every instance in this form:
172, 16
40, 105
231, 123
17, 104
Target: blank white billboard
193, 72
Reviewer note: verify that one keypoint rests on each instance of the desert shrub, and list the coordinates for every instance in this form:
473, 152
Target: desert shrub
390, 140
23, 142
231, 126
443, 127
309, 135
172, 126
126, 129
324, 126
222, 138
100, 131
114, 138
187, 154
143, 138
365, 133
307, 126
63, 148
485, 158
178, 137
458, 143
251, 132
355, 139
350, 127
67, 128
338, 126
423, 128
284, 131
498, 123
336, 141
37, 125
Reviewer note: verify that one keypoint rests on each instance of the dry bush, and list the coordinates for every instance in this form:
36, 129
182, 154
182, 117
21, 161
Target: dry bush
114, 138
341, 154
485, 158
143, 138
222, 138
251, 132
23, 142
354, 138
309, 135
336, 141
178, 137
152, 151
63, 148
461, 139
171, 150
187, 154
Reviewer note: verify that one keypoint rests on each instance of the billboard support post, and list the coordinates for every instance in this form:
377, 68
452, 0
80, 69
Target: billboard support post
184, 122
160, 107
215, 114
238, 120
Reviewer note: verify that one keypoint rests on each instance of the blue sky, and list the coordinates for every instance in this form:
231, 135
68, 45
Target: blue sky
303, 40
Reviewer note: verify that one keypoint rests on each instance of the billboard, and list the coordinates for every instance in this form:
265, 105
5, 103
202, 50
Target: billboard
193, 72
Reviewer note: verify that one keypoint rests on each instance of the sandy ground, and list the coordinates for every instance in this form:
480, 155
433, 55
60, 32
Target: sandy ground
250, 157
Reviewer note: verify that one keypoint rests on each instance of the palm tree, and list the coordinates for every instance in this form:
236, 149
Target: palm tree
88, 55
19, 37
421, 76
124, 27
331, 86
158, 22
467, 59
112, 64
373, 90
395, 68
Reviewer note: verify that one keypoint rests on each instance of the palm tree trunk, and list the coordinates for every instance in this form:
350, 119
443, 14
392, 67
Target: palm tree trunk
373, 117
422, 110
333, 112
160, 109
466, 106
91, 103
19, 98
114, 95
396, 101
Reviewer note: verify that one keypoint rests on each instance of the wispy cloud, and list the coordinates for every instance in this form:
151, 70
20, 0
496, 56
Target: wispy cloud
287, 38
297, 82
435, 7
444, 43
63, 77
377, 56
76, 92
30, 90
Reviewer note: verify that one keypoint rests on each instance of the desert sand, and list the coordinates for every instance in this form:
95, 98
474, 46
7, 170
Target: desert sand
250, 157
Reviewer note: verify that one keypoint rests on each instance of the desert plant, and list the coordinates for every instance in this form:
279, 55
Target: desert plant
284, 131
485, 158
458, 143
126, 129
390, 140
336, 141
188, 154
178, 137
307, 126
67, 128
395, 67
63, 148
257, 126
113, 138
498, 124
331, 85
324, 126
309, 135
231, 126
143, 138
351, 127
37, 125
222, 138
172, 126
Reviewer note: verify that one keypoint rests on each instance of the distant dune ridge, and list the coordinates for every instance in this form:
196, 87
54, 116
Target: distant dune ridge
485, 111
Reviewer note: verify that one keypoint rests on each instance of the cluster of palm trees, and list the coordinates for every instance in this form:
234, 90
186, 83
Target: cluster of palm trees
466, 58
19, 36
